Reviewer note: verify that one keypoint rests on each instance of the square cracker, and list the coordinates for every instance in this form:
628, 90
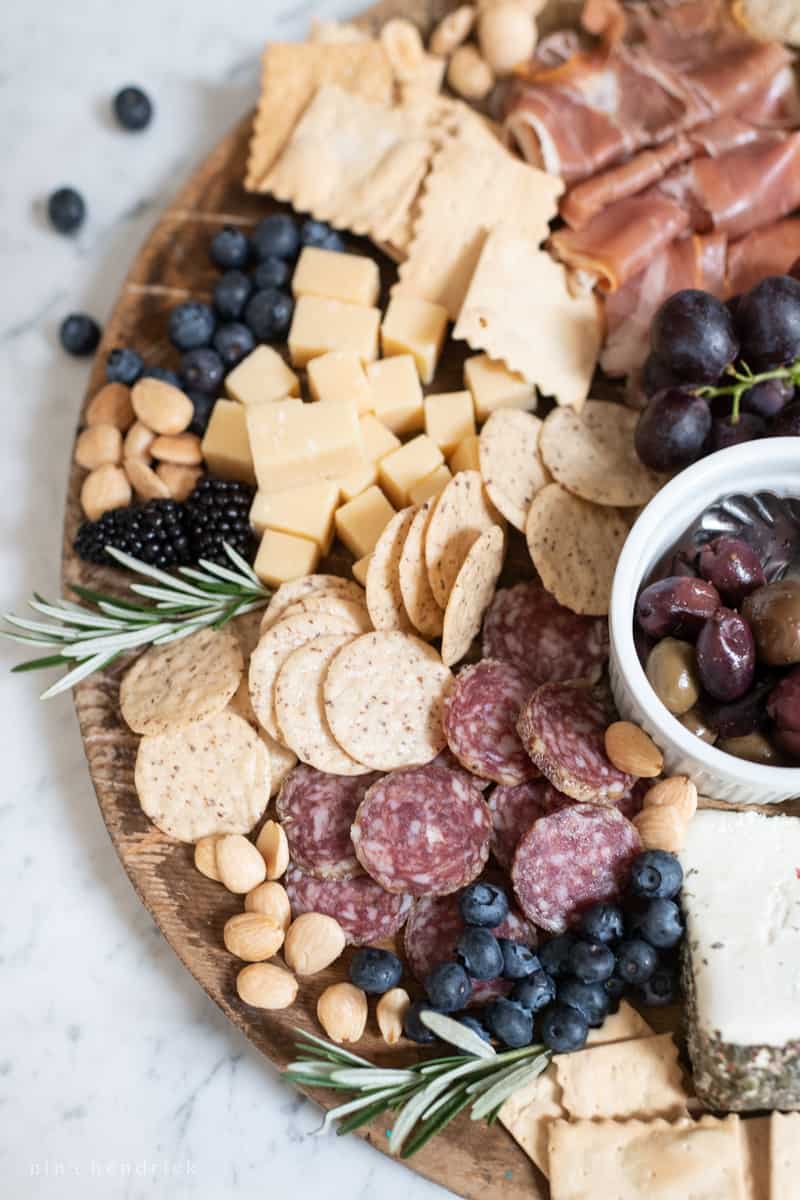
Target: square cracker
520, 309
474, 184
291, 74
622, 1026
784, 1153
654, 1160
619, 1080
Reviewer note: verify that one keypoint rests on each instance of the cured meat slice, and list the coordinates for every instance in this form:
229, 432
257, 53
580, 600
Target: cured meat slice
480, 721
364, 910
435, 925
571, 859
423, 830
449, 761
527, 626
768, 251
316, 811
562, 728
514, 810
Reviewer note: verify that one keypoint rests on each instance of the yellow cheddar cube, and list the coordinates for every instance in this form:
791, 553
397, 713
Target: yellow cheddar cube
263, 375
358, 480
378, 440
449, 418
305, 511
430, 486
226, 446
494, 386
360, 569
361, 521
328, 273
466, 456
340, 377
320, 325
396, 393
282, 556
294, 443
416, 327
401, 469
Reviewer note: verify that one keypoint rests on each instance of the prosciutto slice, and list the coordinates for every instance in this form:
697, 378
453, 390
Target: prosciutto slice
770, 251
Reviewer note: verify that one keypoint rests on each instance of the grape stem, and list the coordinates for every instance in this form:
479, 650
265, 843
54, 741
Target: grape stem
745, 379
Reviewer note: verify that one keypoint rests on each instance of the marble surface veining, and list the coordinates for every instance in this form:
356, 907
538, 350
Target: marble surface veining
118, 1076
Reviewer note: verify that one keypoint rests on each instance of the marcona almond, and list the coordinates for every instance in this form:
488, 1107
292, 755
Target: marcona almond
270, 899
138, 441
312, 943
470, 75
111, 406
342, 1012
265, 985
97, 445
506, 35
404, 47
677, 792
452, 30
205, 857
104, 488
272, 843
391, 1012
181, 448
180, 481
240, 866
661, 829
161, 406
633, 751
144, 480
252, 936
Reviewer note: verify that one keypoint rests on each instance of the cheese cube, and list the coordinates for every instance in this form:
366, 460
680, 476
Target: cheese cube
263, 375
282, 556
416, 327
466, 456
339, 376
295, 443
378, 440
360, 569
449, 418
494, 386
430, 486
305, 511
401, 469
358, 480
226, 446
361, 521
349, 277
396, 393
320, 325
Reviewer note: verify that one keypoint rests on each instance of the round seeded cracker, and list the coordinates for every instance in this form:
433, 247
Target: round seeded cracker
472, 594
170, 686
211, 777
281, 758
300, 589
415, 588
327, 602
463, 512
512, 469
384, 596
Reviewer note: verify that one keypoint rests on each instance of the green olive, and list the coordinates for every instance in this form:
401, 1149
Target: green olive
672, 671
754, 747
693, 721
773, 613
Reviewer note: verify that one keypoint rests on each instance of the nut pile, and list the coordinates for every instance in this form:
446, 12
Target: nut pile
669, 805
505, 35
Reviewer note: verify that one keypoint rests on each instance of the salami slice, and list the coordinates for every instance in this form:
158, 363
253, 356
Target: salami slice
527, 626
449, 761
424, 830
562, 729
570, 859
514, 809
435, 926
316, 811
366, 913
480, 722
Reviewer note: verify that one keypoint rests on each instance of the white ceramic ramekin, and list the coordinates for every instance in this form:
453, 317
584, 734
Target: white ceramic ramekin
770, 465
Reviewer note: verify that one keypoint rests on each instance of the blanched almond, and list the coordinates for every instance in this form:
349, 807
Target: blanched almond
104, 488
506, 35
181, 448
180, 481
161, 406
240, 866
391, 1012
252, 936
661, 829
677, 792
97, 445
342, 1012
312, 943
452, 30
138, 441
144, 480
469, 74
111, 406
270, 899
205, 857
272, 843
633, 751
265, 985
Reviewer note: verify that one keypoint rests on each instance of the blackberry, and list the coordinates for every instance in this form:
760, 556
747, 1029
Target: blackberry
218, 511
153, 532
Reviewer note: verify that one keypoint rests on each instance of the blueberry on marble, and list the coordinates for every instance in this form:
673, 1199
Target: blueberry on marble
191, 325
276, 235
229, 248
661, 924
448, 987
479, 953
636, 960
133, 108
509, 1022
272, 272
554, 955
656, 874
124, 365
564, 1029
375, 971
79, 334
202, 369
233, 341
603, 923
590, 999
660, 989
66, 209
535, 992
591, 963
268, 314
412, 1025
483, 904
231, 292
519, 960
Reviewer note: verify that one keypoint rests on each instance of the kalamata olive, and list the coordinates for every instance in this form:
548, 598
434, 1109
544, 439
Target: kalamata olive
726, 655
732, 566
742, 716
755, 747
693, 721
773, 613
789, 742
672, 672
684, 564
784, 702
676, 606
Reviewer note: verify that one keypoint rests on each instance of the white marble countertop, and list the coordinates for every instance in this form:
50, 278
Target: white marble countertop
118, 1076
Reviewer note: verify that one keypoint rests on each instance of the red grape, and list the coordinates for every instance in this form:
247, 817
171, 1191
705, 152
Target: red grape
672, 429
693, 333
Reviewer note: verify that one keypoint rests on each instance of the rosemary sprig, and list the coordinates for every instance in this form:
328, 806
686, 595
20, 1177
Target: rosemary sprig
425, 1097
86, 639
743, 379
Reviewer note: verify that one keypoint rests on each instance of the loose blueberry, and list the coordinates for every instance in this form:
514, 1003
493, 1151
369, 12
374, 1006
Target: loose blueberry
661, 988
535, 992
124, 366
554, 955
590, 999
276, 235
79, 334
509, 1022
202, 369
231, 292
268, 314
656, 874
317, 233
233, 341
272, 272
229, 248
564, 1029
191, 325
636, 960
479, 953
660, 924
603, 923
133, 108
375, 971
412, 1025
519, 960
162, 373
448, 987
66, 209
470, 1022
483, 904
591, 963
202, 403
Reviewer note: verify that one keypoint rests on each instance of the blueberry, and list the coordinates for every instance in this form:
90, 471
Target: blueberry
231, 292
316, 233
79, 334
603, 923
656, 874
202, 404
233, 341
564, 1029
554, 955
615, 990
636, 960
335, 241
375, 971
660, 924
269, 314
470, 1022
483, 904
229, 248
66, 209
519, 960
448, 987
276, 235
123, 366
591, 963
479, 953
535, 992
661, 988
510, 1023
412, 1025
162, 373
191, 325
590, 999
133, 108
272, 272
202, 369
